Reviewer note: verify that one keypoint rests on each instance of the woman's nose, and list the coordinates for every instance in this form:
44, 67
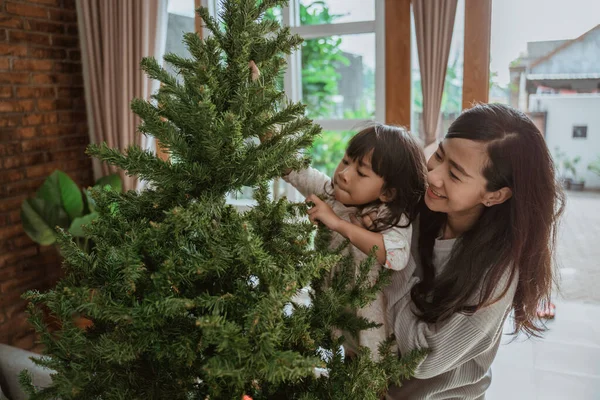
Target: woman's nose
434, 177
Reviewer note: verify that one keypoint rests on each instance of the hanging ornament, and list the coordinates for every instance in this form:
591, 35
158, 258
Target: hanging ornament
254, 71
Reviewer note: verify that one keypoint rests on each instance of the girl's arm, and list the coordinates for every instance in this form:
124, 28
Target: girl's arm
361, 238
308, 181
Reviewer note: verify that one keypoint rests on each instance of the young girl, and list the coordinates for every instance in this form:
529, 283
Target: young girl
382, 172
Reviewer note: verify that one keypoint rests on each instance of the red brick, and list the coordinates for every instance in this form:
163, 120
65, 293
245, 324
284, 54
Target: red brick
68, 67
11, 204
9, 232
40, 144
37, 92
71, 116
75, 141
41, 171
9, 149
63, 15
50, 118
15, 218
32, 65
12, 50
67, 155
4, 221
33, 38
22, 133
46, 105
65, 41
54, 3
23, 187
11, 22
5, 92
33, 119
70, 92
54, 130
54, 54
16, 105
10, 121
14, 77
43, 79
74, 55
4, 63
69, 4
21, 241
8, 176
26, 10
46, 27
3, 35
72, 30
24, 160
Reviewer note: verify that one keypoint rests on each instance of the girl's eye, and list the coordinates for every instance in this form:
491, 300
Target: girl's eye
345, 162
361, 174
454, 176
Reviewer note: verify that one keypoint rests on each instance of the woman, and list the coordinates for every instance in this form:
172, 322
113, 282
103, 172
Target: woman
483, 246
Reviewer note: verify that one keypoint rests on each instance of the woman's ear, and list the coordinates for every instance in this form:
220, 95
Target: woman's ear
497, 197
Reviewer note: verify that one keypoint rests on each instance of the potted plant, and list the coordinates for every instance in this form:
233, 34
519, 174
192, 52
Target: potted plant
559, 161
594, 166
570, 165
60, 203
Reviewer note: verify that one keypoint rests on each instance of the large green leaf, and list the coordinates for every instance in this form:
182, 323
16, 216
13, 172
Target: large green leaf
59, 189
76, 228
39, 230
89, 200
114, 181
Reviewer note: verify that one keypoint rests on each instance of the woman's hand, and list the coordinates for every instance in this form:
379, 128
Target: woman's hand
322, 212
366, 221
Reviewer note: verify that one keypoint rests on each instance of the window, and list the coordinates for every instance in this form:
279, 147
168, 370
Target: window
337, 73
580, 132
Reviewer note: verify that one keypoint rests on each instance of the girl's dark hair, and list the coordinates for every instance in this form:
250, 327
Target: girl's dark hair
515, 237
397, 157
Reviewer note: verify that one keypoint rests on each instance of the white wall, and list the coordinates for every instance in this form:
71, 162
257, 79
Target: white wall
565, 111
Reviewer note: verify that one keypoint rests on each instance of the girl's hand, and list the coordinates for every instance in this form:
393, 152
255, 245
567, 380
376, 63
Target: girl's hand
322, 212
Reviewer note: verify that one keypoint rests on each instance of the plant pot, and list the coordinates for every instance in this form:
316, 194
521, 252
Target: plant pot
577, 186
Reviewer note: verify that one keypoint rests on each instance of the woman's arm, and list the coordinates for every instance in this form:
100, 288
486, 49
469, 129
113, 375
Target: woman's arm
452, 342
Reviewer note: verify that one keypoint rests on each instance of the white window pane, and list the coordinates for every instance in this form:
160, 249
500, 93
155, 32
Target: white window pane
338, 76
315, 12
181, 7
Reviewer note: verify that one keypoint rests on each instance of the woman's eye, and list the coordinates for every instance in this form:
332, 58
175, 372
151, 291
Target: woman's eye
438, 157
454, 176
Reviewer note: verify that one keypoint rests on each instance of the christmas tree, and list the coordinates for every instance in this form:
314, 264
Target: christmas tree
187, 297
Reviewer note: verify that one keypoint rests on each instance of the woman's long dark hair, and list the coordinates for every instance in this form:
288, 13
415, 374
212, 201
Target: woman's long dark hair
397, 157
515, 237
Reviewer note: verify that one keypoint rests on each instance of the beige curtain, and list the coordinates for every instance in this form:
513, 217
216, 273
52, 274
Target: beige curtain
434, 23
115, 35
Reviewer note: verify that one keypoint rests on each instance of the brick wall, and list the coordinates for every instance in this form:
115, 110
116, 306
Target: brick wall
42, 128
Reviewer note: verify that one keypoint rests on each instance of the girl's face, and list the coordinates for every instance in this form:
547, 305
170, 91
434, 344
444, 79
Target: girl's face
455, 184
355, 183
